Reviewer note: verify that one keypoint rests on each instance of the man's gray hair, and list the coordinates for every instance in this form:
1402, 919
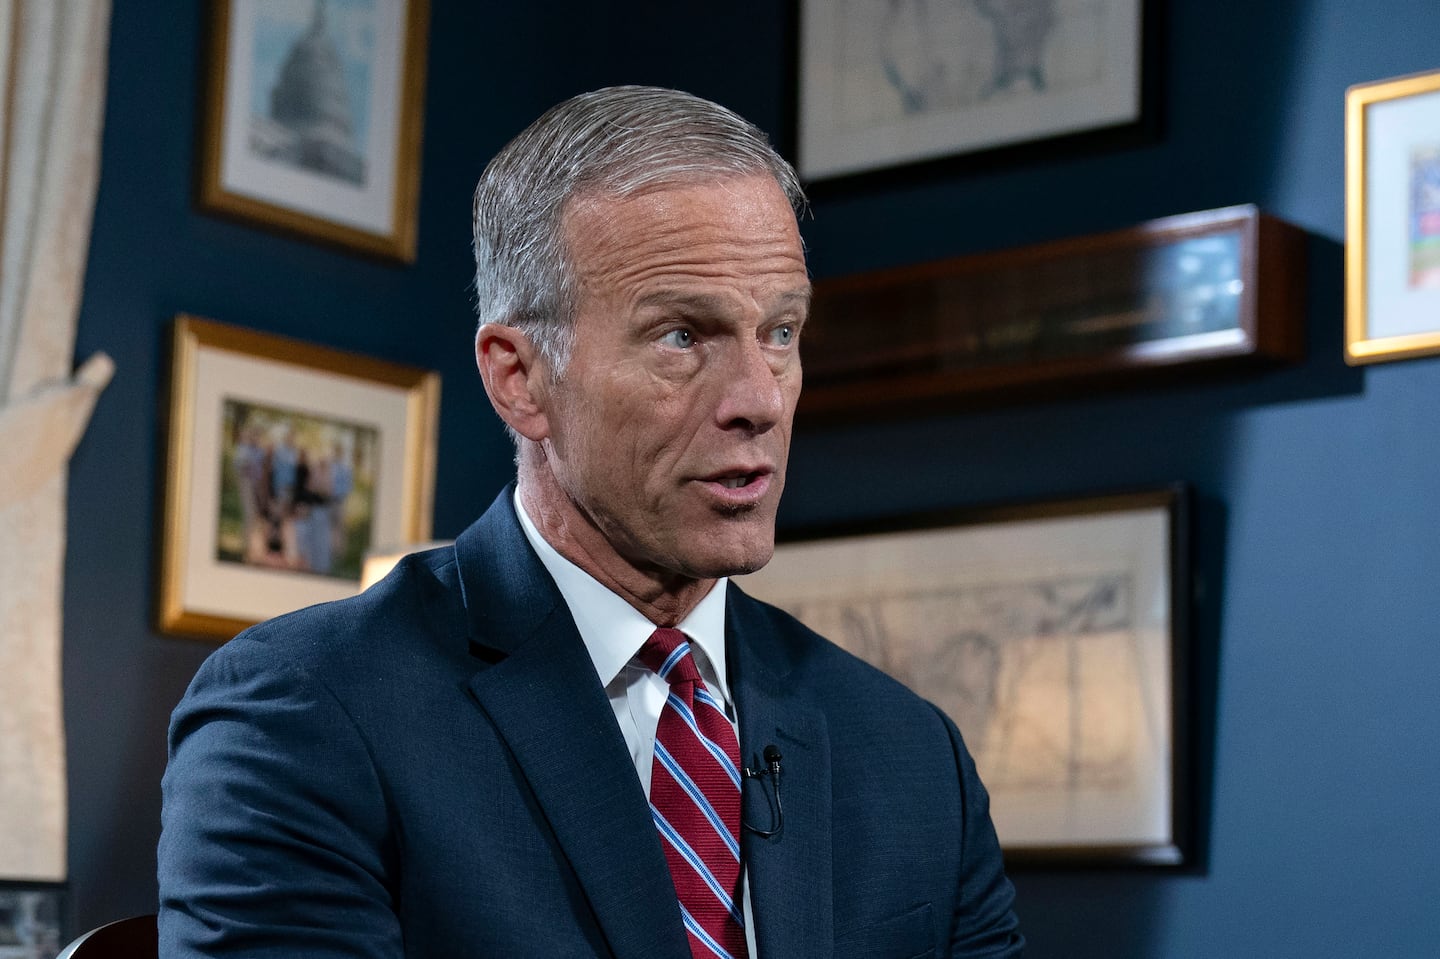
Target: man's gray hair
616, 142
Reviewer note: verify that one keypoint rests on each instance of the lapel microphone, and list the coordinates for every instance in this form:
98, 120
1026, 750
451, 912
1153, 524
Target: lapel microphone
771, 771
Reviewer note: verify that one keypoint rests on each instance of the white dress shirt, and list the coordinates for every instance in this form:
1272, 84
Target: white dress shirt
613, 632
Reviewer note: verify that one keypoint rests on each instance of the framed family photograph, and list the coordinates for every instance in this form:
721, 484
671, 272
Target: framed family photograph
890, 82
286, 463
313, 119
1392, 219
1053, 634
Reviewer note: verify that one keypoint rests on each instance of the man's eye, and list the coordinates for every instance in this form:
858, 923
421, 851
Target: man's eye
783, 335
680, 339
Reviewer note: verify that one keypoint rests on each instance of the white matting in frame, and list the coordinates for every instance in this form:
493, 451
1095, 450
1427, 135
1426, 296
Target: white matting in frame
247, 536
886, 83
1392, 196
1048, 634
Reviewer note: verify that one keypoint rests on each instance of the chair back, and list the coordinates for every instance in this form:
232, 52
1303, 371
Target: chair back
133, 938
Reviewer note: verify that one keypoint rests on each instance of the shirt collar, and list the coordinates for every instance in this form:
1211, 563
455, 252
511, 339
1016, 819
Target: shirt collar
613, 631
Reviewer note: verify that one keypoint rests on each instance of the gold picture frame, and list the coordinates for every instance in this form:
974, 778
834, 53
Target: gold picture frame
285, 463
313, 119
1392, 219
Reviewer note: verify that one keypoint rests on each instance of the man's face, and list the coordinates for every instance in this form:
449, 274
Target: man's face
670, 427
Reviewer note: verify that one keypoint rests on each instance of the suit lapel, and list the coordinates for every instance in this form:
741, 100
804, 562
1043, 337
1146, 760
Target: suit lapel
544, 699
791, 883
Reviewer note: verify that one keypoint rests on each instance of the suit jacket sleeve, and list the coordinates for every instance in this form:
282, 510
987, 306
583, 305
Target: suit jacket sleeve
275, 834
984, 925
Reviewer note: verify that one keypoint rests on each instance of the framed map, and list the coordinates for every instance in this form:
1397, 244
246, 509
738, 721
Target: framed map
887, 82
1053, 634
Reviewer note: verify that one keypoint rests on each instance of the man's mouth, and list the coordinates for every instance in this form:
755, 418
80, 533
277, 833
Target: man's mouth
741, 486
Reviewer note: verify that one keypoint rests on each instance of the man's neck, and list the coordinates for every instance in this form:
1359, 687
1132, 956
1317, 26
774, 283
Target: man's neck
663, 598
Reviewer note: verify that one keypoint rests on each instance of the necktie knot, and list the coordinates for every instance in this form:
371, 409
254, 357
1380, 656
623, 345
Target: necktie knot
667, 654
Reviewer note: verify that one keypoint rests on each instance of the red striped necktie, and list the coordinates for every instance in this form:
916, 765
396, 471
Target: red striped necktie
695, 800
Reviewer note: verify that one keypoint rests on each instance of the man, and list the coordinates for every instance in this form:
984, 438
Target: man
457, 762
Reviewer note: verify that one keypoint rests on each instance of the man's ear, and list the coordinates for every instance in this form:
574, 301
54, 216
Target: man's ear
514, 378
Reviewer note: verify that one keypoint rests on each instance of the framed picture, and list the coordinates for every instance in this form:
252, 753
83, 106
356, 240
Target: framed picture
286, 463
313, 119
1182, 295
901, 81
1392, 219
1054, 635
31, 920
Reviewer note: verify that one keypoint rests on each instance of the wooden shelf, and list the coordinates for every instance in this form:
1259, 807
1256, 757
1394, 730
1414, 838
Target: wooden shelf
1199, 292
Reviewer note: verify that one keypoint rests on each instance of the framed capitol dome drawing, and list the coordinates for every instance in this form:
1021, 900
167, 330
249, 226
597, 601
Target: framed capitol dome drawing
313, 118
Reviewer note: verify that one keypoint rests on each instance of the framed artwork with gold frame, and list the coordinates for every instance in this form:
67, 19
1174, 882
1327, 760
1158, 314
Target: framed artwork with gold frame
1392, 219
286, 463
313, 116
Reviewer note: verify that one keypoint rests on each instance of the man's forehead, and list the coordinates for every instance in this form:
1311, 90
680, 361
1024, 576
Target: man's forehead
742, 219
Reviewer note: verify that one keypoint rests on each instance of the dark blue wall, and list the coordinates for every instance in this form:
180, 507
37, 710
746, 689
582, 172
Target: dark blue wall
1318, 626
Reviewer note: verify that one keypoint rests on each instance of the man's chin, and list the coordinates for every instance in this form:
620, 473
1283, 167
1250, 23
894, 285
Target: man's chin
735, 562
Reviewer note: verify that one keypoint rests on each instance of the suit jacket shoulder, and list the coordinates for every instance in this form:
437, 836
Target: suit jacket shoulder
429, 769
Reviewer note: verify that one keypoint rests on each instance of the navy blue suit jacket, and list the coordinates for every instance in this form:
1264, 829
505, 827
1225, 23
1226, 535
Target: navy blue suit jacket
432, 769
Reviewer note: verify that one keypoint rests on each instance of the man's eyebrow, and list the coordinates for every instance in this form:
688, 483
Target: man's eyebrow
712, 303
800, 296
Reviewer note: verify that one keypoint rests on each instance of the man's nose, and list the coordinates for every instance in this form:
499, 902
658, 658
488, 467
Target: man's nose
752, 394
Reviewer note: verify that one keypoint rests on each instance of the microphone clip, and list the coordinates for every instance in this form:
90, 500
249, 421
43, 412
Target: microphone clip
771, 771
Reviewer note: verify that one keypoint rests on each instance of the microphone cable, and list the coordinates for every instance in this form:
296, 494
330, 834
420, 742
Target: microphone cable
777, 809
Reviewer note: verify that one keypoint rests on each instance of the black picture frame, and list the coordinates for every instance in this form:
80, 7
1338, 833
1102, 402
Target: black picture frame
839, 144
33, 918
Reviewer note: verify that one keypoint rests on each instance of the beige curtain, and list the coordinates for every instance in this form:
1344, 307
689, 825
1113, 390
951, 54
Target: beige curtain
52, 67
